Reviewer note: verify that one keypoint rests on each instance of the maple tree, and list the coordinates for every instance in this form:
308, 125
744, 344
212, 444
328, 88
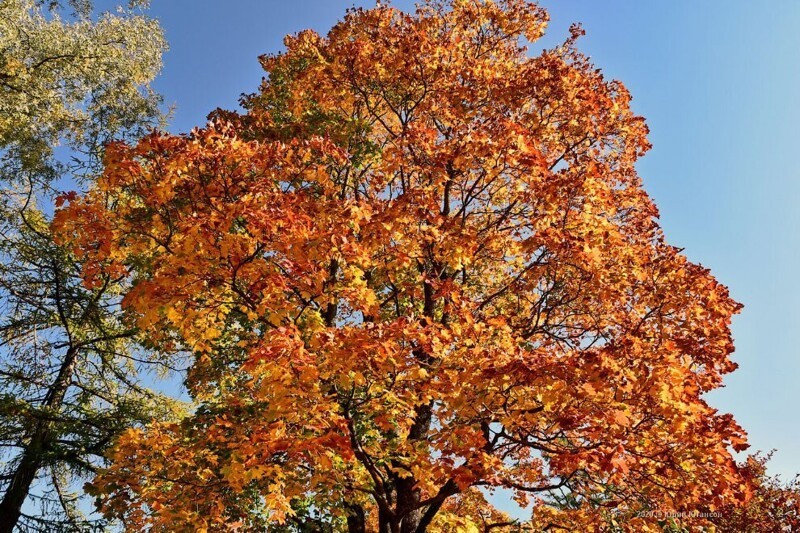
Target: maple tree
419, 266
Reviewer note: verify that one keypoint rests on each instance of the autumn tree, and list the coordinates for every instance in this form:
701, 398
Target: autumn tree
69, 366
774, 506
420, 265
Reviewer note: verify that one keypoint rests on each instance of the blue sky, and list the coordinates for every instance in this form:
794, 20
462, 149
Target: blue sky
718, 84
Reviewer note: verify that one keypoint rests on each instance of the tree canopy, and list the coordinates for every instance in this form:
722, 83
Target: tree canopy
68, 78
419, 266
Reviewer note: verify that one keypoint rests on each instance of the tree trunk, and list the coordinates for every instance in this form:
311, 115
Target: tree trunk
33, 456
356, 520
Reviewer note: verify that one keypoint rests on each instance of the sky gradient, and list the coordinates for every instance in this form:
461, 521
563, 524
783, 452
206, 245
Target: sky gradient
718, 84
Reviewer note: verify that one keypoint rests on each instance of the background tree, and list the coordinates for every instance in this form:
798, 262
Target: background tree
775, 505
420, 265
68, 367
69, 380
773, 508
65, 78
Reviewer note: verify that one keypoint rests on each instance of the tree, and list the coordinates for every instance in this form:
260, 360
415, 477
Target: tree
69, 365
420, 265
69, 379
67, 78
775, 505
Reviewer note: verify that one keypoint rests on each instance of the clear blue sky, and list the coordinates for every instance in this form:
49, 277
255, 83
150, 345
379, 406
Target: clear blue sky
718, 84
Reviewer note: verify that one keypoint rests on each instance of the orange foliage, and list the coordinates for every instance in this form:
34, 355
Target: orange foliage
420, 264
774, 506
